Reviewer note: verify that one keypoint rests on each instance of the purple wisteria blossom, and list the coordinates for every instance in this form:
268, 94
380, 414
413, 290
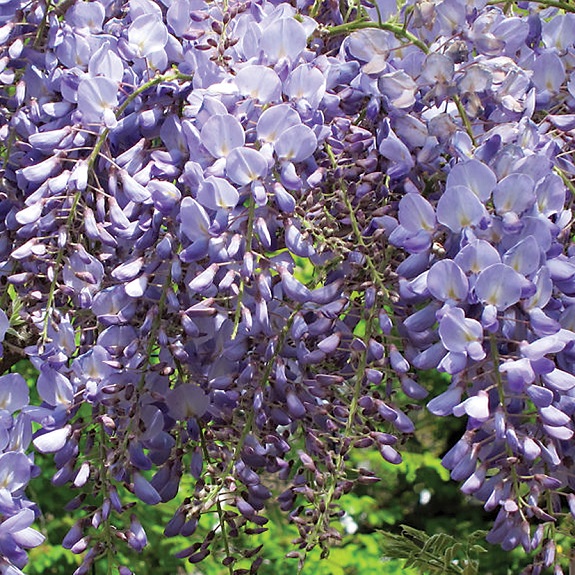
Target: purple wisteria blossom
232, 236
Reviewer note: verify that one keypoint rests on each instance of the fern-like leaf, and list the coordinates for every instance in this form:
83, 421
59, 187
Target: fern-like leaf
437, 554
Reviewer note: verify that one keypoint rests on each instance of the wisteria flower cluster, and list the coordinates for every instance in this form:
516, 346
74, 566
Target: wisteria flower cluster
170, 169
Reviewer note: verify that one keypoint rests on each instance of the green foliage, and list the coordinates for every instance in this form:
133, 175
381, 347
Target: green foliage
438, 554
14, 310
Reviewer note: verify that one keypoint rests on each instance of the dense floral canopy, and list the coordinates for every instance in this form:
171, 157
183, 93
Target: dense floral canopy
171, 169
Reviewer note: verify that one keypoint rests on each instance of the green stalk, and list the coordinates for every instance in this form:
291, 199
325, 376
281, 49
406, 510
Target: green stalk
464, 118
378, 279
395, 29
565, 179
567, 6
153, 82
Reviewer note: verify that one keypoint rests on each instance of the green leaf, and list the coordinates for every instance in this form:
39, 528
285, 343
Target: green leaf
437, 554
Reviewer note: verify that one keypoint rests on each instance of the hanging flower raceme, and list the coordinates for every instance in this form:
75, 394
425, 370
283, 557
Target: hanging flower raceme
232, 233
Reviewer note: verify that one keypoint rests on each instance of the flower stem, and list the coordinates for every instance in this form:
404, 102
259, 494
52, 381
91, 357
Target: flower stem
395, 29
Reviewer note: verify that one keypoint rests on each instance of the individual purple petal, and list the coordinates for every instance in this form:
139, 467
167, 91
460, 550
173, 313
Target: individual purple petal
560, 269
558, 432
465, 466
547, 344
128, 270
398, 363
294, 288
105, 62
423, 318
97, 98
217, 193
305, 82
447, 282
147, 34
475, 176
178, 17
137, 538
29, 214
541, 323
137, 287
372, 46
390, 454
430, 357
245, 165
15, 470
289, 176
13, 392
276, 120
476, 256
459, 208
221, 134
460, 334
399, 88
296, 242
54, 388
296, 144
544, 289
412, 389
553, 416
548, 72
559, 380
165, 195
541, 396
403, 423
284, 38
133, 189
260, 83
259, 193
204, 279
144, 490
49, 140
186, 401
392, 148
52, 441
295, 407
444, 403
416, 213
40, 171
514, 193
284, 200
330, 343
453, 362
194, 220
474, 481
531, 449
550, 193
524, 257
498, 285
